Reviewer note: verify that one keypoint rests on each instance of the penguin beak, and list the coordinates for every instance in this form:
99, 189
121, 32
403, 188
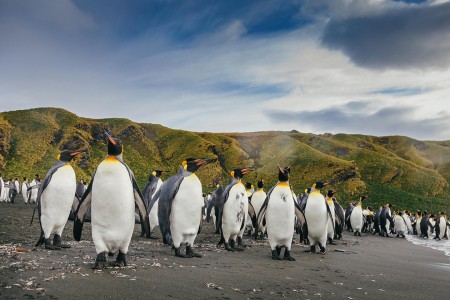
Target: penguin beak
326, 183
110, 139
279, 168
199, 162
75, 153
247, 170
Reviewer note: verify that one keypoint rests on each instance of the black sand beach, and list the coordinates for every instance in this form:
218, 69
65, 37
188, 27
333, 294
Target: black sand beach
367, 267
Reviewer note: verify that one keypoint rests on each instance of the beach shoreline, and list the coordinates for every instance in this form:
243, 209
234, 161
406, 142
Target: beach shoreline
367, 267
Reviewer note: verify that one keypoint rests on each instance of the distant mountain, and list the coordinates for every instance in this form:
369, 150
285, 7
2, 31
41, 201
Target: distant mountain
396, 169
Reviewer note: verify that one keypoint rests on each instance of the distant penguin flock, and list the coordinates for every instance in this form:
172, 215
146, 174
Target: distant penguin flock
113, 203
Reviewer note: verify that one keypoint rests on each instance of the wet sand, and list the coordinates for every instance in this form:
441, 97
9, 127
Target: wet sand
367, 267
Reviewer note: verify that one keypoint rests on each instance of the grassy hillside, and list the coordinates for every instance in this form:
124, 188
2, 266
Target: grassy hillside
401, 170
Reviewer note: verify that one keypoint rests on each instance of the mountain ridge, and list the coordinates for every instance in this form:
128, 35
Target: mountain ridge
398, 169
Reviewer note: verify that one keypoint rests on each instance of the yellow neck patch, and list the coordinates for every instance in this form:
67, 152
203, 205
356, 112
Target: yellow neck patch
111, 158
329, 200
261, 190
192, 175
283, 183
315, 192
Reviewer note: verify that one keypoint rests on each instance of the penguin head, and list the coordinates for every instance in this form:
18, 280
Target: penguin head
283, 174
248, 186
67, 155
318, 185
425, 213
158, 173
362, 198
260, 184
308, 190
115, 146
331, 193
238, 173
193, 164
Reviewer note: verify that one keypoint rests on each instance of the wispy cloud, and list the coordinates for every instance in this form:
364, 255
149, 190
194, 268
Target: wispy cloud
365, 118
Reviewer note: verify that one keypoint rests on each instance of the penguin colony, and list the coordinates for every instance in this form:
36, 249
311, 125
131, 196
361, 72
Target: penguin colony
178, 207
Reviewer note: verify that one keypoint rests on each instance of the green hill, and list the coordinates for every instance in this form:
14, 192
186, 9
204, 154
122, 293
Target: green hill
411, 173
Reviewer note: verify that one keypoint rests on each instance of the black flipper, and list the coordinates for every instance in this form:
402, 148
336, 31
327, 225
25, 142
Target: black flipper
330, 215
262, 212
139, 200
301, 220
252, 214
80, 214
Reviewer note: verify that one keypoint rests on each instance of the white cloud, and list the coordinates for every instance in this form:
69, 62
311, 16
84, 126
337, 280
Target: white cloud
203, 85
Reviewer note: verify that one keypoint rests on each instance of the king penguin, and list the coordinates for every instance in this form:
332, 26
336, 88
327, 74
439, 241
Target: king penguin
332, 218
151, 197
112, 195
233, 210
441, 226
316, 214
180, 207
400, 226
54, 200
214, 207
356, 217
25, 190
258, 199
278, 212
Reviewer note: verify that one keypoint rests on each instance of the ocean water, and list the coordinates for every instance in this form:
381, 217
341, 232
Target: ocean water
442, 245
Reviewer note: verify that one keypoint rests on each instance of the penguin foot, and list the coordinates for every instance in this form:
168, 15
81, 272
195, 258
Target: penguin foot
287, 255
99, 265
190, 253
241, 242
57, 242
312, 249
151, 237
322, 250
100, 261
121, 260
236, 247
228, 248
178, 253
331, 242
275, 255
110, 254
49, 246
278, 249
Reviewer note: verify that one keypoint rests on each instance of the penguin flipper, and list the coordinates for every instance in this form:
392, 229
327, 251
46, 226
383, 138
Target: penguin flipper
330, 215
153, 201
168, 190
261, 218
252, 213
215, 198
200, 226
299, 214
139, 200
83, 208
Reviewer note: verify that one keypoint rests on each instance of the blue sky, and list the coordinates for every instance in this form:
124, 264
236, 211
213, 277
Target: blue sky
378, 67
